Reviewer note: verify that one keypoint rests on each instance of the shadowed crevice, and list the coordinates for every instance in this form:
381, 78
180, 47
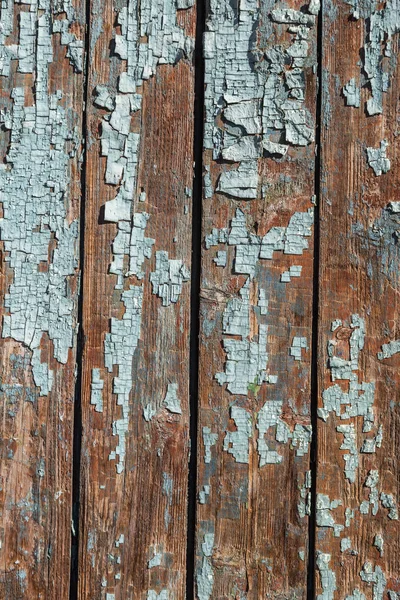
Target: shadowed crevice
315, 318
78, 425
195, 296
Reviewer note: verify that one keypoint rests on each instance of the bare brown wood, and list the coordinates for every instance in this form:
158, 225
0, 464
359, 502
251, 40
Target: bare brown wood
134, 506
40, 141
252, 524
358, 535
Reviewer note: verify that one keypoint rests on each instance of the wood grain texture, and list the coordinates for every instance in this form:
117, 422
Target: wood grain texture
359, 275
36, 430
252, 541
147, 502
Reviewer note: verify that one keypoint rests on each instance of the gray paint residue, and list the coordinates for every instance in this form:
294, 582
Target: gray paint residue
377, 158
204, 494
209, 439
378, 543
30, 47
356, 402
247, 358
171, 400
34, 185
324, 516
167, 490
150, 35
304, 504
258, 95
380, 26
96, 394
153, 595
168, 278
297, 344
376, 577
327, 577
356, 595
352, 94
119, 347
205, 574
237, 442
389, 349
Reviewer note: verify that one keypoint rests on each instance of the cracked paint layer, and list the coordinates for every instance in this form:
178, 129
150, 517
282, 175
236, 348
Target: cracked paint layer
96, 394
358, 401
327, 577
34, 184
247, 358
205, 574
119, 347
254, 97
377, 158
149, 35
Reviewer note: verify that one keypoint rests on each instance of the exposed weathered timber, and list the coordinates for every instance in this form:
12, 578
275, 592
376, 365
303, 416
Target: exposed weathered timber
41, 81
358, 432
136, 295
256, 300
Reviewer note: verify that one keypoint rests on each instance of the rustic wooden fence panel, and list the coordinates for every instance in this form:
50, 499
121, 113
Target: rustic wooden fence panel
358, 477
256, 301
138, 222
199, 341
41, 131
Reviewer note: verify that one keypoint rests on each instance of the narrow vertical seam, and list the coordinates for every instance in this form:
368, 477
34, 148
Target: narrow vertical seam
195, 295
77, 426
315, 319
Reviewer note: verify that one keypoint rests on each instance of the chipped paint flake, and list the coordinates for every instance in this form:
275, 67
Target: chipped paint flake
209, 440
96, 394
377, 158
298, 343
376, 577
168, 278
237, 442
389, 349
324, 516
351, 92
205, 574
119, 347
34, 184
258, 99
171, 400
327, 577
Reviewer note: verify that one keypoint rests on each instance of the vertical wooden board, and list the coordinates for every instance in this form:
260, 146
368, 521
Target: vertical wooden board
41, 54
136, 295
256, 300
358, 433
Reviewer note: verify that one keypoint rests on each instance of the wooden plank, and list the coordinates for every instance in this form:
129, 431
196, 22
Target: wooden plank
358, 484
256, 301
135, 403
41, 94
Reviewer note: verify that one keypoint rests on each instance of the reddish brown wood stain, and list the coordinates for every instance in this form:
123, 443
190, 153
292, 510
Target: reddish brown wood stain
251, 540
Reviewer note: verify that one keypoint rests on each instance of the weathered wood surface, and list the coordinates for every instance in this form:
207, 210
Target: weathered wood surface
120, 143
41, 100
255, 317
358, 470
135, 429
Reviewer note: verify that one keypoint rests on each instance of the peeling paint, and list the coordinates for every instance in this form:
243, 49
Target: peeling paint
34, 184
377, 158
327, 577
258, 95
96, 395
376, 577
205, 575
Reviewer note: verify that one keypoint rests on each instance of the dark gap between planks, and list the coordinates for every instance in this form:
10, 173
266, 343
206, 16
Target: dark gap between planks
195, 296
78, 424
315, 322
